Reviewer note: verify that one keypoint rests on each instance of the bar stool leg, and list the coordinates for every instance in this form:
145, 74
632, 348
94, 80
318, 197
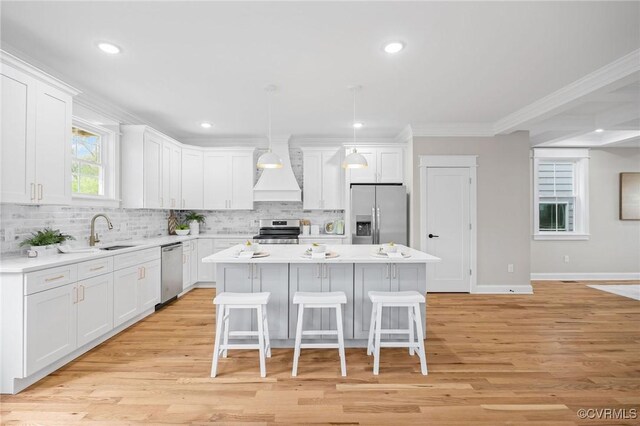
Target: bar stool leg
266, 333
216, 345
418, 321
263, 368
226, 331
372, 325
376, 353
410, 322
296, 353
343, 362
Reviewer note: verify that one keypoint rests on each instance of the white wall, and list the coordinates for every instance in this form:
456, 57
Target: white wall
614, 245
503, 201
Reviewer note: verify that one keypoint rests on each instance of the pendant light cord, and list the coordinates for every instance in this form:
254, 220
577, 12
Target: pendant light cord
353, 124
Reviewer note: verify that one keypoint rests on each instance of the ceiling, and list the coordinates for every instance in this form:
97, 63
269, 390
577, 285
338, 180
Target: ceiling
187, 62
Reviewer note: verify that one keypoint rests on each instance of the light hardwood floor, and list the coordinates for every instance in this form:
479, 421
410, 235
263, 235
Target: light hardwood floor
492, 360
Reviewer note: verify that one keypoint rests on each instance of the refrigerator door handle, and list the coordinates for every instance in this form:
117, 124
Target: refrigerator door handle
378, 224
374, 226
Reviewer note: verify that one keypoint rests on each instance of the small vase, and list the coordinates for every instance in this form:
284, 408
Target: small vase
172, 223
194, 227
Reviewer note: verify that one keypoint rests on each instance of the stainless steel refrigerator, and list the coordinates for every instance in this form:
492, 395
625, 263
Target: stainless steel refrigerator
378, 214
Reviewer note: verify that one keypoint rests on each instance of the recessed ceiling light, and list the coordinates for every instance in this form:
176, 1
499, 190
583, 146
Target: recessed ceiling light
357, 125
109, 48
393, 47
206, 125
599, 130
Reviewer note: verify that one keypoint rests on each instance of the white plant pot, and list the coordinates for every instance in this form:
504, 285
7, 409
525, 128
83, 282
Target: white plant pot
43, 251
182, 232
194, 227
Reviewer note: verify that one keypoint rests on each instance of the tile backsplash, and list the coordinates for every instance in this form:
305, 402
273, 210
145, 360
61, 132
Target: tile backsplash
17, 222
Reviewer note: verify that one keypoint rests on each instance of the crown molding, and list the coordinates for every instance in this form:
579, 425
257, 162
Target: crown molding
15, 62
337, 141
405, 136
452, 129
611, 73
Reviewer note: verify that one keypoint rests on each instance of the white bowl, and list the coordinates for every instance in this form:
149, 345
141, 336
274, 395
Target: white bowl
182, 232
254, 247
386, 248
320, 248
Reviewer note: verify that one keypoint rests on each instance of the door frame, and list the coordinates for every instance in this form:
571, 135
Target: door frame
452, 161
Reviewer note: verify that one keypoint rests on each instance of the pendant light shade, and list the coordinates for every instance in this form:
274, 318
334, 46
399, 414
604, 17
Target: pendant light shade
269, 160
355, 160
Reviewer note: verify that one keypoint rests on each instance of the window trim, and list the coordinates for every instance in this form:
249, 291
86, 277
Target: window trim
109, 166
580, 158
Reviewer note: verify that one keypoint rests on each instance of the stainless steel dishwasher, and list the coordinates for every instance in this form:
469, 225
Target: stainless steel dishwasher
171, 273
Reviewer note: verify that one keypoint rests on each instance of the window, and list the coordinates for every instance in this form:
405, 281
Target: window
93, 169
560, 194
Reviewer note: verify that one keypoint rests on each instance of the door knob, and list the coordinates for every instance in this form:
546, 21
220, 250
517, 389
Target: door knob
433, 236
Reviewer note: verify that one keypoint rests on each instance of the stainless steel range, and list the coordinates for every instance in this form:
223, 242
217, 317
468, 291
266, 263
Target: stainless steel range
277, 231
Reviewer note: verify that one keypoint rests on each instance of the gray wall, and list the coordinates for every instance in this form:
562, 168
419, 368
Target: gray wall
614, 245
503, 201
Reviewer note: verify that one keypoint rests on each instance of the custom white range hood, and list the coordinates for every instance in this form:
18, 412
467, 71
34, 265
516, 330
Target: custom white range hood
278, 184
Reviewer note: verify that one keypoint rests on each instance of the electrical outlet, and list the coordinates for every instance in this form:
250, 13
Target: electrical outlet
566, 258
510, 267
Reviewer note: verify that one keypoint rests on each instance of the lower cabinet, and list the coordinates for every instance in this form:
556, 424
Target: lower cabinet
95, 308
321, 277
189, 263
206, 271
247, 278
149, 286
386, 277
135, 289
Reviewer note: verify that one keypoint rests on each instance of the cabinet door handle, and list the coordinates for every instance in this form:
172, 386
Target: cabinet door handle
40, 191
395, 270
144, 272
250, 270
33, 191
81, 293
326, 270
387, 275
59, 277
97, 268
255, 270
140, 273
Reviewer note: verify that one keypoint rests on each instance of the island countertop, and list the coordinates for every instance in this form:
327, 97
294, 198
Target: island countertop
293, 253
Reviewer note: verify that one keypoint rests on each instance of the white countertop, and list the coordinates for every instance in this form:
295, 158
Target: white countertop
348, 253
20, 264
320, 236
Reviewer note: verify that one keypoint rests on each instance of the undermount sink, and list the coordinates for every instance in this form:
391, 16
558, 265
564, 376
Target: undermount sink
115, 247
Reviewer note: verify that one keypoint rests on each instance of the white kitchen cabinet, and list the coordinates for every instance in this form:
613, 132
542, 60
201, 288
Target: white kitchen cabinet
206, 271
51, 326
95, 307
149, 286
175, 182
321, 277
192, 179
323, 174
35, 154
152, 168
189, 263
125, 294
166, 175
386, 165
193, 262
228, 179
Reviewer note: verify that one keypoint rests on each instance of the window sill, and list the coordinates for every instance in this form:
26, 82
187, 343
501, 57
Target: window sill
89, 201
561, 237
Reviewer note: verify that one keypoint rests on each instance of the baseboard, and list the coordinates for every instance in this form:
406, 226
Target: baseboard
588, 276
504, 289
205, 285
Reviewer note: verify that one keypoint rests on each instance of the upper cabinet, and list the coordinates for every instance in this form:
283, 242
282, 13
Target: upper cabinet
192, 181
323, 178
228, 179
35, 143
386, 165
151, 169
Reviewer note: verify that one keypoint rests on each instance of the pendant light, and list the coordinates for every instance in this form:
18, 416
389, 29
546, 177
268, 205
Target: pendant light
269, 160
355, 160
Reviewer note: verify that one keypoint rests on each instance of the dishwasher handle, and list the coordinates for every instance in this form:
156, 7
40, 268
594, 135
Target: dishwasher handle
171, 247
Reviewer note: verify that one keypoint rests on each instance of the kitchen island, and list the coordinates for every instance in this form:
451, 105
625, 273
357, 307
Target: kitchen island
355, 271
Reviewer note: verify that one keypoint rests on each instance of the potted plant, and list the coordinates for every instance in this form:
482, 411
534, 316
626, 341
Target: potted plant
194, 220
182, 229
45, 242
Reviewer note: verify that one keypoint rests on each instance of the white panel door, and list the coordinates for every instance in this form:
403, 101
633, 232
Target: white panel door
152, 170
165, 199
206, 271
217, 178
17, 137
312, 180
175, 186
193, 276
125, 294
53, 146
149, 286
95, 308
51, 324
186, 268
332, 180
448, 229
389, 165
192, 179
241, 189
368, 174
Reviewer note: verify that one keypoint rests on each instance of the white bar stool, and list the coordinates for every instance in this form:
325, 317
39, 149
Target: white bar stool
333, 300
402, 299
224, 303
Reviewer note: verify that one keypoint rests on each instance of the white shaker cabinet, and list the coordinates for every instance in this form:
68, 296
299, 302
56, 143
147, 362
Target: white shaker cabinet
35, 152
95, 307
385, 165
175, 181
216, 177
152, 167
192, 179
149, 286
323, 179
125, 294
206, 271
228, 179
